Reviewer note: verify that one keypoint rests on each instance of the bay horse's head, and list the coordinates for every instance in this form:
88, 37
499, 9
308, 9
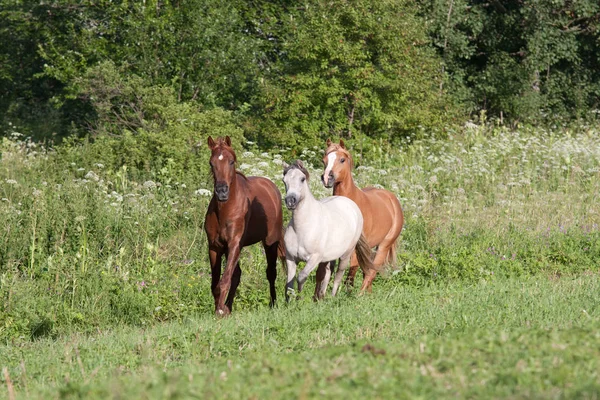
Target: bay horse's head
222, 165
337, 162
295, 178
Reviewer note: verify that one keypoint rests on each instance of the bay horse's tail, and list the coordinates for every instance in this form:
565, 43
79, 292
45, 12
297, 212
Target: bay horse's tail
281, 252
363, 253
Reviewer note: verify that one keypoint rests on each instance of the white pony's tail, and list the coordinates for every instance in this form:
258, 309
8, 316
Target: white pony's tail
363, 253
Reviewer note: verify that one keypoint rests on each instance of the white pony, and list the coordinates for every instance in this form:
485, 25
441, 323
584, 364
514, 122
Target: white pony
320, 232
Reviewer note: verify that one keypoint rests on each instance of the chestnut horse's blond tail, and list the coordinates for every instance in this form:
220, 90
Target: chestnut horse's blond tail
391, 258
363, 253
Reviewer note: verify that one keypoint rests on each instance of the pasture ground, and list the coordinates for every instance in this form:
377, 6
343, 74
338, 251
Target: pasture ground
105, 288
513, 338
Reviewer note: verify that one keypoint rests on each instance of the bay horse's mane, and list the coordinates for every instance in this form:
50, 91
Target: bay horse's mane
297, 165
337, 147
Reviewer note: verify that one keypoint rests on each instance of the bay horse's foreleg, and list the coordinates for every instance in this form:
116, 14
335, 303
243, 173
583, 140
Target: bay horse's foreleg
323, 275
235, 281
233, 257
271, 253
215, 256
339, 274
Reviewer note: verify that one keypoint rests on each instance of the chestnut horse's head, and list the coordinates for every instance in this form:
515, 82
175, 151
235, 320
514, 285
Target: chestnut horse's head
222, 165
337, 162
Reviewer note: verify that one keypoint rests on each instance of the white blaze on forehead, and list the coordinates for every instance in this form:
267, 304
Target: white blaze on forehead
330, 161
221, 156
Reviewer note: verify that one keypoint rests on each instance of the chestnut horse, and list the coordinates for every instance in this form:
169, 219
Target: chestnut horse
243, 211
382, 213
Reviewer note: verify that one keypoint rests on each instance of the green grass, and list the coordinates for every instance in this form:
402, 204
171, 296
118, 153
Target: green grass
528, 338
105, 288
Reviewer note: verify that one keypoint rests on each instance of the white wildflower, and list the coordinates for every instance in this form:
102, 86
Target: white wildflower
244, 166
92, 176
248, 154
183, 185
203, 192
36, 192
11, 182
149, 185
98, 165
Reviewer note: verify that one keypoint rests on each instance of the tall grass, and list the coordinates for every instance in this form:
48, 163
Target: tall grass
84, 246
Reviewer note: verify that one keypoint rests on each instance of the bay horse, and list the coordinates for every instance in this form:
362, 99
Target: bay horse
320, 232
242, 211
380, 208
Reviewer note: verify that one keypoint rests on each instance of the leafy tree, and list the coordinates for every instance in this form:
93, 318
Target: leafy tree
351, 66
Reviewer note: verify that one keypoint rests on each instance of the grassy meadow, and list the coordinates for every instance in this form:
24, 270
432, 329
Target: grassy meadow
105, 282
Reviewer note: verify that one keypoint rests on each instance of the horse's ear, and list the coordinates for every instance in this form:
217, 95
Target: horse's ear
285, 165
228, 141
300, 163
328, 142
211, 142
342, 145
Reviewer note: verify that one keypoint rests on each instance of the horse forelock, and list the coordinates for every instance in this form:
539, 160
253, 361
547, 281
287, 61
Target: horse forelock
295, 165
335, 147
221, 147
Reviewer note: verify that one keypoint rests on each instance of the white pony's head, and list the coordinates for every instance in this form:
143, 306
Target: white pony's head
295, 178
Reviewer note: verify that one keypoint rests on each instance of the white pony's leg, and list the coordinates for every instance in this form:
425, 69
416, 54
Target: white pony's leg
322, 290
311, 264
340, 273
330, 269
291, 277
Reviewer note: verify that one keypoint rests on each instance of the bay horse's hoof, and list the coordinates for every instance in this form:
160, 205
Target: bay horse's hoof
222, 312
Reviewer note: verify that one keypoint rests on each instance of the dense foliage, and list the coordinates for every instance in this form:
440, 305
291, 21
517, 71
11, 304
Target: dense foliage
290, 72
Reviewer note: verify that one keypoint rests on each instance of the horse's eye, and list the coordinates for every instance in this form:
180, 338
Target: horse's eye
303, 180
231, 162
342, 160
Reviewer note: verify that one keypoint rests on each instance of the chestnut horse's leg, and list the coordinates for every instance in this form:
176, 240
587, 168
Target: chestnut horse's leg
235, 281
352, 272
215, 256
271, 253
380, 258
233, 257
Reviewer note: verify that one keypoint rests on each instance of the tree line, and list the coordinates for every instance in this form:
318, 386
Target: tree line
289, 73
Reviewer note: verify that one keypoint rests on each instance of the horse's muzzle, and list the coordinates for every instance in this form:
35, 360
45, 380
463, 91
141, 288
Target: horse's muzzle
291, 202
328, 182
222, 191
